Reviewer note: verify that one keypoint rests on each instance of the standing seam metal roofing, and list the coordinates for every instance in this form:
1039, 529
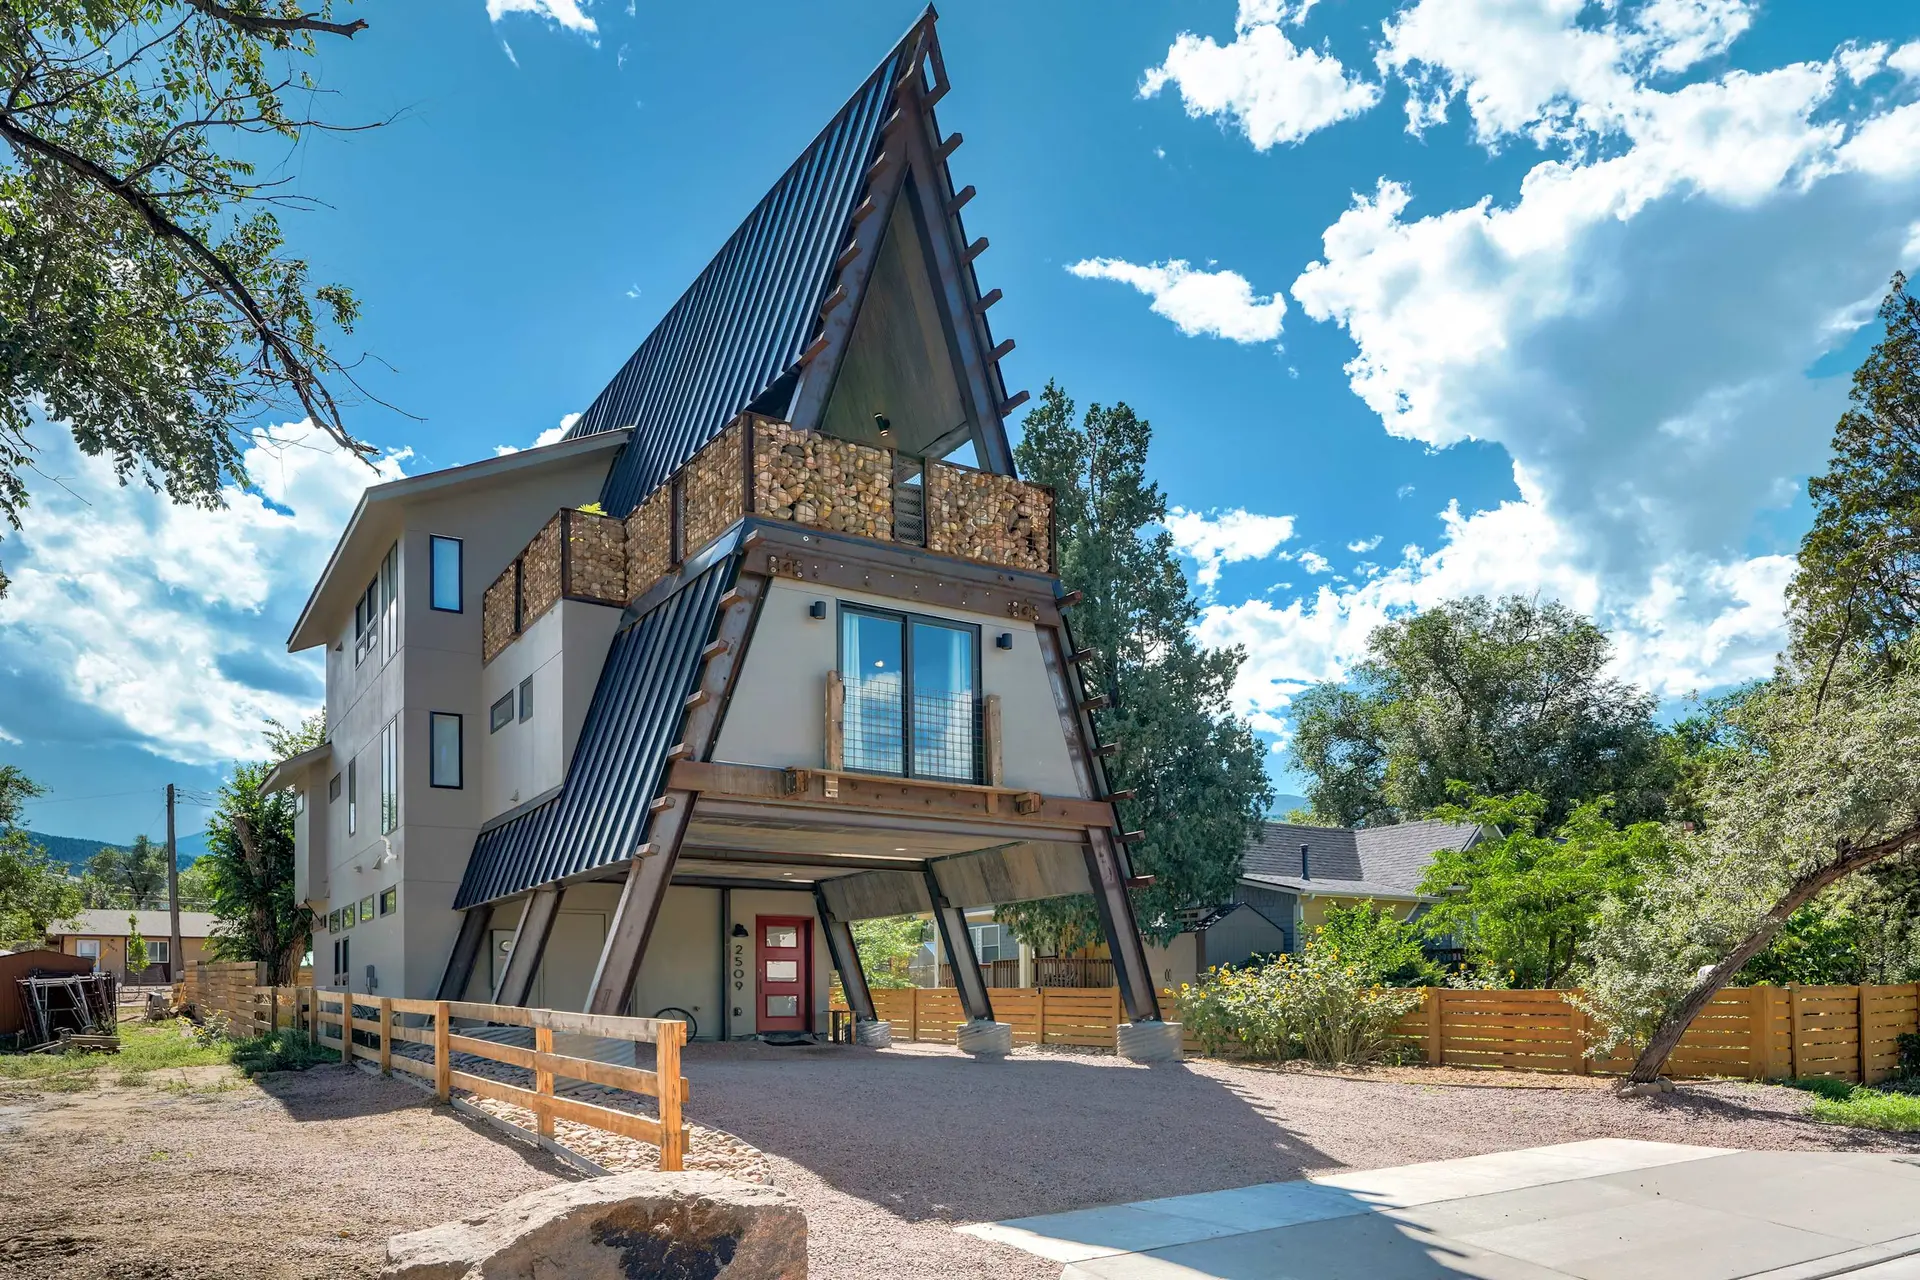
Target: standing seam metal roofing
600, 815
745, 321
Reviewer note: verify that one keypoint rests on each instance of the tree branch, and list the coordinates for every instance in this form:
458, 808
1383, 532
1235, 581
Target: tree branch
263, 25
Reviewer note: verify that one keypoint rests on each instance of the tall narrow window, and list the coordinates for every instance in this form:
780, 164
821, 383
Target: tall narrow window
366, 620
353, 796
390, 603
446, 731
446, 573
390, 776
526, 699
912, 695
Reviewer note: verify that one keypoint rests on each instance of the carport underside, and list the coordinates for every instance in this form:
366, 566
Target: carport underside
865, 847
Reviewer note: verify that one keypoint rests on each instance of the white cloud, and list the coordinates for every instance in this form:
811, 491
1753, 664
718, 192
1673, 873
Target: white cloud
1218, 304
1275, 90
1906, 60
1632, 327
169, 621
1861, 62
1218, 538
1365, 544
1314, 562
552, 435
9, 738
570, 14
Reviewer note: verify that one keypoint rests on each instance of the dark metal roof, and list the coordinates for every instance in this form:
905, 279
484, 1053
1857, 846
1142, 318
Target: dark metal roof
600, 815
745, 321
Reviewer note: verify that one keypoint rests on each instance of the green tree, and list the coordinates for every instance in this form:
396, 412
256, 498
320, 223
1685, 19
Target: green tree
1505, 697
35, 892
1818, 946
1824, 783
1858, 582
1197, 771
1386, 948
249, 875
146, 297
135, 877
1523, 902
136, 949
887, 945
196, 891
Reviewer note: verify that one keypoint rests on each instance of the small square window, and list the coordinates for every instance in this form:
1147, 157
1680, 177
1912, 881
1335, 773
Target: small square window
333, 920
159, 951
300, 800
526, 699
500, 714
783, 971
389, 900
782, 935
333, 788
783, 1006
346, 918
366, 907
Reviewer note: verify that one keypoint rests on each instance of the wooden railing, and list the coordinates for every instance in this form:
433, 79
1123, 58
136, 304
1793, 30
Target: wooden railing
1080, 1016
333, 1019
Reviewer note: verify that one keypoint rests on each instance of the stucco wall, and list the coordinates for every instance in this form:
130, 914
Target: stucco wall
563, 652
113, 955
1174, 963
1313, 911
784, 682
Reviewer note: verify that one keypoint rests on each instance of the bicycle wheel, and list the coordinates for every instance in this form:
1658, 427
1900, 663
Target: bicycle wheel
674, 1013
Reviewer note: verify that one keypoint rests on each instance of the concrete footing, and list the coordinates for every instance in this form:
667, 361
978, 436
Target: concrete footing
876, 1034
986, 1039
1148, 1041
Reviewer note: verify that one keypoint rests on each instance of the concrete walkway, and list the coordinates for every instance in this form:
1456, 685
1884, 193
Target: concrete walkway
1606, 1209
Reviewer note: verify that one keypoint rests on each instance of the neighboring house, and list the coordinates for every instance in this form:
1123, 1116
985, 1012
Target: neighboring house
1230, 934
101, 935
1293, 873
770, 642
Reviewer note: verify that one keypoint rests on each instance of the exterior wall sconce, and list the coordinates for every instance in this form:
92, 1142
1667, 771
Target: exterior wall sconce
1004, 640
817, 610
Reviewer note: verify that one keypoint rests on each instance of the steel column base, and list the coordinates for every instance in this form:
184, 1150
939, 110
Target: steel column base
1148, 1041
985, 1039
873, 1033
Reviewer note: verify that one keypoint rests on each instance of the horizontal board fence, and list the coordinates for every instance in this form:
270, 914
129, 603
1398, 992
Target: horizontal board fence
374, 1028
1755, 1033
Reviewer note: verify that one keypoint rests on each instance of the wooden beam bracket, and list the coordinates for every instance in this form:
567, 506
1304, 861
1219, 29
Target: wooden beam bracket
961, 199
1013, 402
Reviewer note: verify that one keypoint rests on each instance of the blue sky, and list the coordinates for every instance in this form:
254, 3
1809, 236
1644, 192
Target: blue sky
1422, 297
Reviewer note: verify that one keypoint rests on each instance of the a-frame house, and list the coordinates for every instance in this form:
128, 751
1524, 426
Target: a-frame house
771, 643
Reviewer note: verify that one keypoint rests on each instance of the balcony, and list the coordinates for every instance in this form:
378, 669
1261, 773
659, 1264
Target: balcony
576, 556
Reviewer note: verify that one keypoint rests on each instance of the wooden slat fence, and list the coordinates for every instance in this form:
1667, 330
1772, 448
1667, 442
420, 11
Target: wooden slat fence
1754, 1033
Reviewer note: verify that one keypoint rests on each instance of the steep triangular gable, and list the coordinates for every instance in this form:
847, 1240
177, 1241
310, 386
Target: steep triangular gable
767, 323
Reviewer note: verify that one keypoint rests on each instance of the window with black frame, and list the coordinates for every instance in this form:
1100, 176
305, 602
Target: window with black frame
912, 695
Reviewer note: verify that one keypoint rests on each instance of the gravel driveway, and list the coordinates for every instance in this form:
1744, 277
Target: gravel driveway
888, 1151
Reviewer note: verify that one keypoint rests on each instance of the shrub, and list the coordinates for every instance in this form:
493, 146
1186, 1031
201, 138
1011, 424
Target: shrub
1315, 1005
283, 1050
1386, 949
1907, 1044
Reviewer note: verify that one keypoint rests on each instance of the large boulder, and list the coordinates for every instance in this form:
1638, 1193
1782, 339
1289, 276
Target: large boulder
675, 1226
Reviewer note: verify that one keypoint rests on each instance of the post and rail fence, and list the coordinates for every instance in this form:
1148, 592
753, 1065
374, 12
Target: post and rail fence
1755, 1033
377, 1029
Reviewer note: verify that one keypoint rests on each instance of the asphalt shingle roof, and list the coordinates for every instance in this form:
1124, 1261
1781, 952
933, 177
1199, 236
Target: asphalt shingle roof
1347, 860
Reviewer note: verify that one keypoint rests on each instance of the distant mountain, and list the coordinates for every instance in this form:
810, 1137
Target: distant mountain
75, 851
1284, 805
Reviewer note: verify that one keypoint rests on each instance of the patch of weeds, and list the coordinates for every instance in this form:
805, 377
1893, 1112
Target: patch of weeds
73, 1082
1837, 1102
131, 1079
280, 1051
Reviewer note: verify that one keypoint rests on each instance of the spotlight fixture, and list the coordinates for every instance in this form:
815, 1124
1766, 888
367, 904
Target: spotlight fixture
885, 427
817, 610
1004, 640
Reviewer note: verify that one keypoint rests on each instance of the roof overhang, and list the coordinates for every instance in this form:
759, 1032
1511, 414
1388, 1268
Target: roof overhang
1308, 888
376, 518
289, 772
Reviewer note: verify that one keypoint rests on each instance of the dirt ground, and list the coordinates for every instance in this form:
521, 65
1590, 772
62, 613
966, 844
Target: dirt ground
201, 1174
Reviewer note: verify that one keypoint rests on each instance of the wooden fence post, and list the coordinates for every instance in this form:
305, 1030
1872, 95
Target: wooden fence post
313, 1016
346, 1028
1860, 1017
386, 1035
1436, 1045
1793, 1030
273, 1010
1118, 1015
913, 1013
442, 1052
1043, 1015
666, 1067
1583, 1065
1759, 1034
543, 1080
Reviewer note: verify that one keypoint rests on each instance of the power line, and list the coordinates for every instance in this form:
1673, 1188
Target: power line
105, 795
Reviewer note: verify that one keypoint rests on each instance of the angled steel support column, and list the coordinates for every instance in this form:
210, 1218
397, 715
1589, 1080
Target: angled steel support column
955, 939
651, 868
529, 943
466, 952
846, 958
1130, 967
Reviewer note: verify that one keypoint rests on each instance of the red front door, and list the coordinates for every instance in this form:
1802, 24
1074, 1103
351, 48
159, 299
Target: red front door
784, 958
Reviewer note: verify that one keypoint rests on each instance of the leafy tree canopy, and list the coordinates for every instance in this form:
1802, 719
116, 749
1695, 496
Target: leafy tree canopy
135, 877
1859, 576
147, 300
887, 945
1523, 901
1386, 948
1506, 697
1198, 771
35, 892
249, 870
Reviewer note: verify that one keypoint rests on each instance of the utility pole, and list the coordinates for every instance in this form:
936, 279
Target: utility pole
173, 897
